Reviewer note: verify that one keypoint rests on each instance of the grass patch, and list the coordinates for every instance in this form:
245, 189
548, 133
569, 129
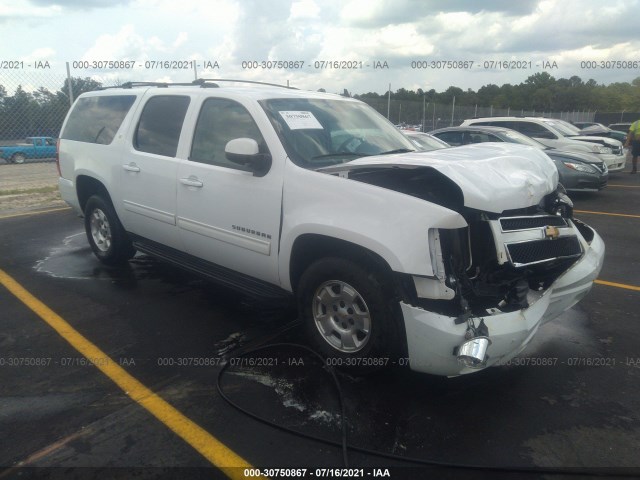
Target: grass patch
48, 189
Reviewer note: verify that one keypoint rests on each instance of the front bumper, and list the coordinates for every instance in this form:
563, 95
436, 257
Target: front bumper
615, 163
432, 339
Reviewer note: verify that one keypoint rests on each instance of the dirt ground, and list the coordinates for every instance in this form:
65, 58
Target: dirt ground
30, 186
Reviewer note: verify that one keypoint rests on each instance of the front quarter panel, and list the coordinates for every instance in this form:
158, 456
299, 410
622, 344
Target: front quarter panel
391, 224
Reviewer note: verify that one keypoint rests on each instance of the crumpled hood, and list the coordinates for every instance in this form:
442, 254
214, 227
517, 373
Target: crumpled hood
609, 142
594, 130
493, 177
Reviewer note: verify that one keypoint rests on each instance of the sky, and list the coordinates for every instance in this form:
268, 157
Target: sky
406, 43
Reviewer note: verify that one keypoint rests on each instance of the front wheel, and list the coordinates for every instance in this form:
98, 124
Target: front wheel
107, 237
18, 158
348, 314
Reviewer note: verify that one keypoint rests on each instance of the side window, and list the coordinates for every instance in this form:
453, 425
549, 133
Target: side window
534, 130
160, 125
452, 138
220, 121
483, 124
478, 137
97, 119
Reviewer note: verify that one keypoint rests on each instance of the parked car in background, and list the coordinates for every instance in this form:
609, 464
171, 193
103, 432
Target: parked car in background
560, 135
424, 141
33, 147
621, 127
593, 131
576, 171
599, 130
585, 124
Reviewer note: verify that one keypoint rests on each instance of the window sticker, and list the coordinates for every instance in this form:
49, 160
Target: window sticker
298, 120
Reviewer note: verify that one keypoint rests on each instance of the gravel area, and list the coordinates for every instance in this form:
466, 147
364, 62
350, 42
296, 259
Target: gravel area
31, 186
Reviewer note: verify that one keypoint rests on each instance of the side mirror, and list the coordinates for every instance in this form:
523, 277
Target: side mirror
245, 152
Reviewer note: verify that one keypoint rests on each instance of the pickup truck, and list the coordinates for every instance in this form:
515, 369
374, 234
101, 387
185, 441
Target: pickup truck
33, 147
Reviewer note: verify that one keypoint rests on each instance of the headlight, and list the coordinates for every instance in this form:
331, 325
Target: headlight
581, 167
558, 203
600, 149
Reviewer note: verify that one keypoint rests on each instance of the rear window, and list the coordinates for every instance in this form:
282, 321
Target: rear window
97, 119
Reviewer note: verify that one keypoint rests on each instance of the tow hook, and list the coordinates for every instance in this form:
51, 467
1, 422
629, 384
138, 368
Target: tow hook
473, 352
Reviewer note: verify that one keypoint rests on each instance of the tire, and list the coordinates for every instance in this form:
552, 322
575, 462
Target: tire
107, 237
348, 315
18, 158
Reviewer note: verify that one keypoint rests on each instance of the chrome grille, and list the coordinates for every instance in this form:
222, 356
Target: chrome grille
527, 253
601, 166
525, 223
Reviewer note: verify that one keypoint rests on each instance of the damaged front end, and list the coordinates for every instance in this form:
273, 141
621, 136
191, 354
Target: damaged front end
493, 284
521, 259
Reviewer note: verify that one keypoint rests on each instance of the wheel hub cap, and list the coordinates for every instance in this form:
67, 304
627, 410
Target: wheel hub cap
100, 230
341, 316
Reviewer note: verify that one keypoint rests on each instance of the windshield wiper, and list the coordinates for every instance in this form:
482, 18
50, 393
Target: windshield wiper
398, 150
343, 154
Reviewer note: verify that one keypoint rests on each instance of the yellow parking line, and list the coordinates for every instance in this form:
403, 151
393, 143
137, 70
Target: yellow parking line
202, 441
607, 213
34, 213
618, 285
623, 186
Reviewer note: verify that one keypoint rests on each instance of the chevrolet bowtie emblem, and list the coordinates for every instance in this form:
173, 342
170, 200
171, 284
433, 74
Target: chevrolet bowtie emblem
551, 232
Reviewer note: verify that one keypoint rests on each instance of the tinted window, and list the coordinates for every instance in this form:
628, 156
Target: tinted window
532, 129
479, 137
488, 124
452, 138
219, 122
97, 119
160, 125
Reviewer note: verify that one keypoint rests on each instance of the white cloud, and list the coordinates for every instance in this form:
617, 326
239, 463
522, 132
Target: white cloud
46, 53
22, 9
303, 10
398, 31
181, 39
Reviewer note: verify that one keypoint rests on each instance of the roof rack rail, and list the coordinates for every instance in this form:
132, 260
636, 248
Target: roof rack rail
146, 84
202, 82
205, 83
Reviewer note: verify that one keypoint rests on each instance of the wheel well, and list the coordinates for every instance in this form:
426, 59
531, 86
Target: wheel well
87, 186
311, 247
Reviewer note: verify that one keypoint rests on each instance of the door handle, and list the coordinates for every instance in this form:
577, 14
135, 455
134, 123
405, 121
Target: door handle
131, 167
192, 182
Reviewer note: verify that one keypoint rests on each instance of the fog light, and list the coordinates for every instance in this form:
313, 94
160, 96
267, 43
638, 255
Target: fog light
472, 353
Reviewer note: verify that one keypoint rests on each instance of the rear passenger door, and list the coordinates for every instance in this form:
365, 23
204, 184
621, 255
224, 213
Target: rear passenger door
226, 215
148, 169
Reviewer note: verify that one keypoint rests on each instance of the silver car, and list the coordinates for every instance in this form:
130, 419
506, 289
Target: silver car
576, 171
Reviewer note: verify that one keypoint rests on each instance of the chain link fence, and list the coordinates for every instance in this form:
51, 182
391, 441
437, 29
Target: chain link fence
33, 105
429, 116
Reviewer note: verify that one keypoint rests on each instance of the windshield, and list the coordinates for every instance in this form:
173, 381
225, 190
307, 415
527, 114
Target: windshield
427, 142
564, 128
517, 137
320, 132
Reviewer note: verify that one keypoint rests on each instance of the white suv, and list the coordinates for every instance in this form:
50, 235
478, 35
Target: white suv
446, 261
561, 135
